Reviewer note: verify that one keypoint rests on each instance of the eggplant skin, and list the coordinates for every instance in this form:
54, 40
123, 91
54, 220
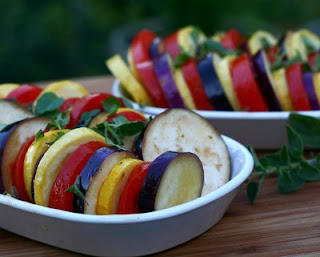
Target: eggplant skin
152, 181
4, 135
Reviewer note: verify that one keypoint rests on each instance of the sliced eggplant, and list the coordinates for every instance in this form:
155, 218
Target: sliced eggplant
212, 85
12, 112
181, 130
310, 90
24, 130
264, 78
172, 179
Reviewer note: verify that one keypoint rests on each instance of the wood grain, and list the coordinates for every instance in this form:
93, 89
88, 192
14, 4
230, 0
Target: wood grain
276, 225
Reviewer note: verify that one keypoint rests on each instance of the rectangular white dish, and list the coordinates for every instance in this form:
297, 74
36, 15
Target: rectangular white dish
127, 235
262, 130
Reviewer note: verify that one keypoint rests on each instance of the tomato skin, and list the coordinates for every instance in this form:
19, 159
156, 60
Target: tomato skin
272, 53
245, 86
312, 59
193, 80
86, 104
130, 115
17, 171
59, 198
129, 199
140, 46
25, 94
294, 75
68, 103
150, 81
232, 39
171, 45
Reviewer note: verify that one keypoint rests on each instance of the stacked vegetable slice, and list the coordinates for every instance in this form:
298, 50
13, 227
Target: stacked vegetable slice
75, 151
224, 72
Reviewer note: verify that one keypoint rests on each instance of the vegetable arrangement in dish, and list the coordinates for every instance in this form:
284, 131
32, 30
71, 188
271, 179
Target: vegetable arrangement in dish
224, 72
67, 149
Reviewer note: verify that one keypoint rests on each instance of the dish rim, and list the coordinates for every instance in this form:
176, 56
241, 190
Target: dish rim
142, 217
221, 115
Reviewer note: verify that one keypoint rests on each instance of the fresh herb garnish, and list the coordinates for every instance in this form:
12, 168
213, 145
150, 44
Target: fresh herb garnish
86, 117
317, 63
76, 190
61, 120
265, 44
119, 128
39, 135
288, 163
47, 105
59, 135
310, 46
111, 105
181, 58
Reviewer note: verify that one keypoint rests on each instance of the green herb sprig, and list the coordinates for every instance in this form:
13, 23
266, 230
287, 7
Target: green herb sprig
289, 164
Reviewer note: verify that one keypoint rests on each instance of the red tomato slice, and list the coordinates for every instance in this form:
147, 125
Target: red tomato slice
129, 199
18, 174
68, 103
194, 82
140, 46
130, 115
297, 91
25, 94
86, 104
245, 86
232, 39
272, 53
171, 45
312, 59
59, 198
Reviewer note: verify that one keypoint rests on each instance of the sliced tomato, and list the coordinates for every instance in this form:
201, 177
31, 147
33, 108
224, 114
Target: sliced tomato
296, 86
18, 171
140, 46
150, 81
68, 103
128, 202
86, 104
130, 114
232, 39
25, 94
312, 59
193, 80
245, 86
59, 198
171, 44
272, 53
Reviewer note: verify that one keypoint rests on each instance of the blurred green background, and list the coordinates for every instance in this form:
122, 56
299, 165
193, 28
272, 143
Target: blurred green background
51, 40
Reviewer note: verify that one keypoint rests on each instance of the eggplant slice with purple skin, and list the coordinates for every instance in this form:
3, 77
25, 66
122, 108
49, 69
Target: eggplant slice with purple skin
93, 175
181, 130
264, 78
212, 85
162, 65
172, 179
310, 90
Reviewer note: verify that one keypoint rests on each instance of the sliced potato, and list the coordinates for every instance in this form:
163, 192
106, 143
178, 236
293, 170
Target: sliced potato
181, 130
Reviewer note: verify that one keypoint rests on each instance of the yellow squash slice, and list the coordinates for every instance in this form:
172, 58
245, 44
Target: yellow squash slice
6, 88
183, 89
185, 40
52, 161
255, 41
113, 185
121, 71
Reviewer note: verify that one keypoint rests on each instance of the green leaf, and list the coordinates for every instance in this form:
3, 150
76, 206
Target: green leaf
131, 129
127, 103
295, 145
2, 126
265, 43
289, 181
111, 105
60, 121
317, 63
252, 191
39, 135
76, 190
59, 135
86, 117
119, 120
308, 172
311, 47
48, 102
257, 164
182, 58
307, 127
277, 159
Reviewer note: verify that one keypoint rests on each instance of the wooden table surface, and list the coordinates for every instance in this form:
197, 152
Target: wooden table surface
276, 225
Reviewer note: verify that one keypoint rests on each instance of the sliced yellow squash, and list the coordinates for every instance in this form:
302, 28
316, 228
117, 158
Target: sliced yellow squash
186, 41
121, 71
52, 161
6, 88
255, 41
113, 185
183, 89
316, 83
